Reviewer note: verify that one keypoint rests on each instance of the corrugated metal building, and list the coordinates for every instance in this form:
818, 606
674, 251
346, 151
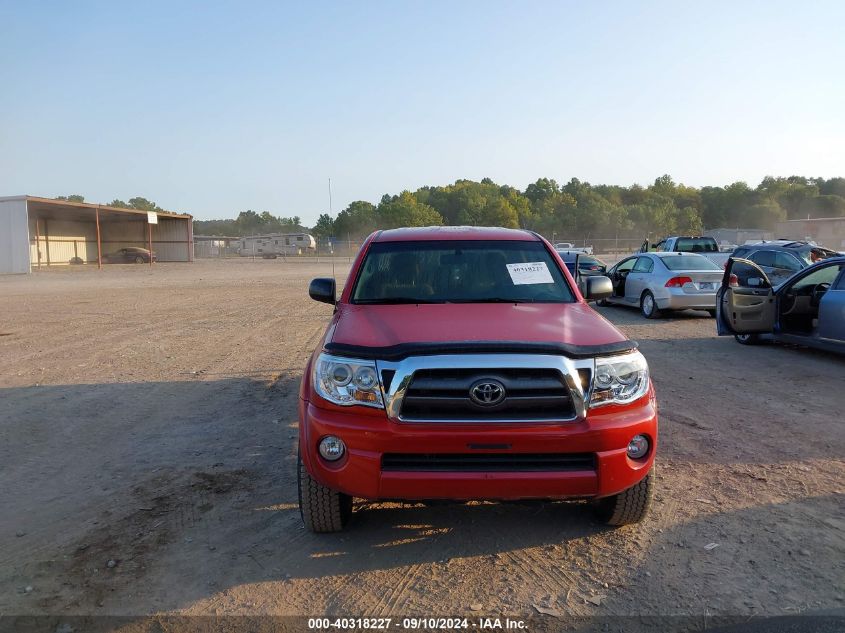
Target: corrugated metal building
828, 232
739, 236
36, 232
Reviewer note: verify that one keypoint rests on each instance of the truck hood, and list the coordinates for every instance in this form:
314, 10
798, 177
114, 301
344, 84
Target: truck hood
567, 326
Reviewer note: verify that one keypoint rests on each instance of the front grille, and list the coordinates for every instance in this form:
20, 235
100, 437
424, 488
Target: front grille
488, 462
530, 395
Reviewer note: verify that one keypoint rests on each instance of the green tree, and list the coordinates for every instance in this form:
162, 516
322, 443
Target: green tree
764, 214
688, 221
833, 187
543, 189
142, 204
406, 210
827, 206
324, 228
356, 220
664, 186
71, 198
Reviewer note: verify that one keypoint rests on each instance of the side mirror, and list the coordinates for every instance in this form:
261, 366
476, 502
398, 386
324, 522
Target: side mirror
598, 287
322, 289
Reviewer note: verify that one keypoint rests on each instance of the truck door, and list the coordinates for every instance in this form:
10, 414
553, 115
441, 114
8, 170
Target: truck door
745, 304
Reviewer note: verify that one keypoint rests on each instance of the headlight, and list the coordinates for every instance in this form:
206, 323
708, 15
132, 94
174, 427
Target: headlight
346, 381
619, 379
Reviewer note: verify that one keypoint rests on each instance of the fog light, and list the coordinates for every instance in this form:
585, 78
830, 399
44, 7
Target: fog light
332, 448
638, 447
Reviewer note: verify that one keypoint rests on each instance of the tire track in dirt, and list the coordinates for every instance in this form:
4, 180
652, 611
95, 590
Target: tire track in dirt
400, 585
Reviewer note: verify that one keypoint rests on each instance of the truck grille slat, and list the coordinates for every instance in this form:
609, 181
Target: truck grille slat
488, 462
444, 394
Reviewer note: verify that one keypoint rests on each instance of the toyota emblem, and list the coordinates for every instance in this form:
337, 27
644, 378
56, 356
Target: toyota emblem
487, 392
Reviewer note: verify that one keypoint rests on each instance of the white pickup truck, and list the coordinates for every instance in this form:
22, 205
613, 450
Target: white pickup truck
569, 246
706, 246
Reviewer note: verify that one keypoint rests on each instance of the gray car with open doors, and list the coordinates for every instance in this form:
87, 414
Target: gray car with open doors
658, 283
806, 309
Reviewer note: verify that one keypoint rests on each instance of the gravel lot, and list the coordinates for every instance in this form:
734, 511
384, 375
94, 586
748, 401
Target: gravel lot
148, 445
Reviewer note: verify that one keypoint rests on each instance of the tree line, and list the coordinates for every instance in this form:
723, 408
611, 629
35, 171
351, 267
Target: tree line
578, 210
249, 222
574, 211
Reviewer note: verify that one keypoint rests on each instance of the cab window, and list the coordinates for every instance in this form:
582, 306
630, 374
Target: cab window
697, 245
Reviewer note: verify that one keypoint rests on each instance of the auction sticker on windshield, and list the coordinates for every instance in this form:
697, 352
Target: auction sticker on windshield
530, 273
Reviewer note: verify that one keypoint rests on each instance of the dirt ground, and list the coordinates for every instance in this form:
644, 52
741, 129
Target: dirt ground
147, 461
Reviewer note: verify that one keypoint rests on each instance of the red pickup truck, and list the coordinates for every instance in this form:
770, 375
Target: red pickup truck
463, 363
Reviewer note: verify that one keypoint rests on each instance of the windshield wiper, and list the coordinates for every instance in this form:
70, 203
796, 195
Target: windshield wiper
395, 301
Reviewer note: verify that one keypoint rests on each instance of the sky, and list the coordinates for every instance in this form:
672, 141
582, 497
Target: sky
212, 108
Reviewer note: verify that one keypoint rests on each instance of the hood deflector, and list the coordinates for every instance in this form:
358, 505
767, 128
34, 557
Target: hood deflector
403, 350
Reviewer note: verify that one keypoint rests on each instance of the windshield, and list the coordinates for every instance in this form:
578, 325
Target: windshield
697, 245
689, 262
826, 275
816, 254
460, 272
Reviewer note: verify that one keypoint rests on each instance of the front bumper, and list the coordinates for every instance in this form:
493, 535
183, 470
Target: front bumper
605, 433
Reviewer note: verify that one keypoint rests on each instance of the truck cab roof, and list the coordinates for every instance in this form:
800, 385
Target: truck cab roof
448, 233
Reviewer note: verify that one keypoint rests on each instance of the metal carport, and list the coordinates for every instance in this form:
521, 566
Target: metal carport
36, 232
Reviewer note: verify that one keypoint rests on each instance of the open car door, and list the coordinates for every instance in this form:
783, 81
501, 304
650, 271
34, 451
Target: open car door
745, 304
580, 279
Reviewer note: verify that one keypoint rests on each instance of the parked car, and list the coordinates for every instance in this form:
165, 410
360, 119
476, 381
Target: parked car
581, 266
129, 255
705, 246
780, 259
463, 365
808, 308
657, 282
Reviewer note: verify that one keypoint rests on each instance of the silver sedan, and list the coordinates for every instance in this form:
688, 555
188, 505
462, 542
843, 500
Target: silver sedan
657, 282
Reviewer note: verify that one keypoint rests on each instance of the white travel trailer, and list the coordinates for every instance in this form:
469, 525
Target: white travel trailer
273, 245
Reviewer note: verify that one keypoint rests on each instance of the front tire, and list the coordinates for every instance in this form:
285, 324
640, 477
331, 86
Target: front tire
747, 339
648, 306
139, 260
322, 509
629, 506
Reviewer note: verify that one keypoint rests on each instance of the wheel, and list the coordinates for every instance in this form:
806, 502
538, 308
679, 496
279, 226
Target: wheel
603, 303
629, 506
712, 314
648, 306
322, 509
747, 339
139, 259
